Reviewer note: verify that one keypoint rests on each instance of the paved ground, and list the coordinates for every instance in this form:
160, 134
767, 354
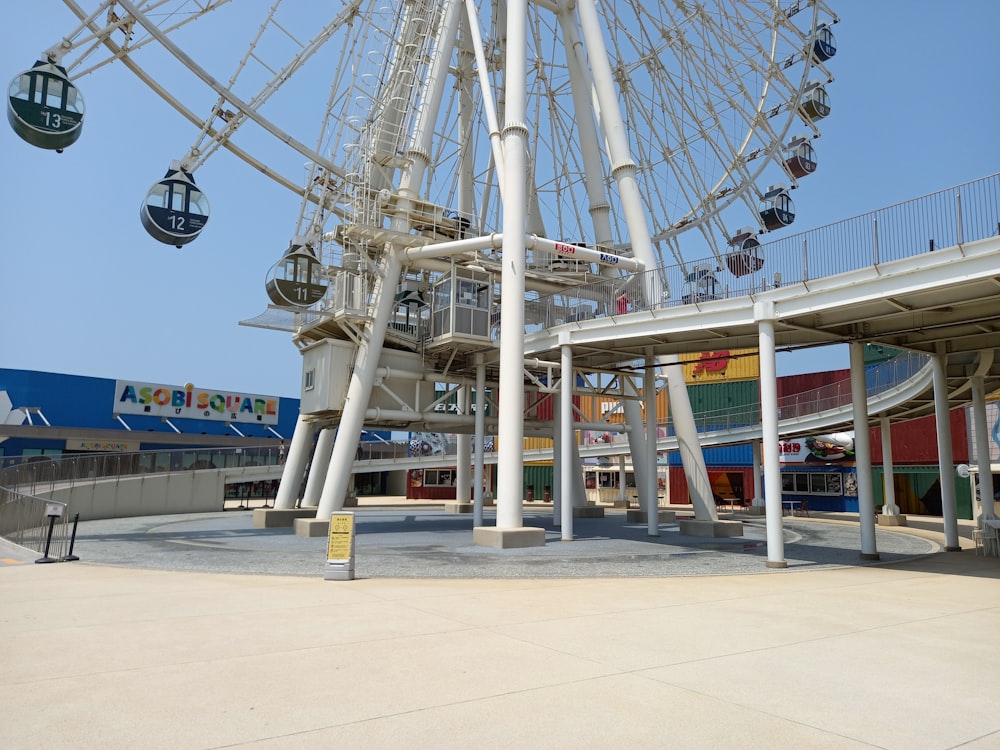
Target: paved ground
827, 654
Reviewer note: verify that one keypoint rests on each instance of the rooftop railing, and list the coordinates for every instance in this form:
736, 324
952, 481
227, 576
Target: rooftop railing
940, 220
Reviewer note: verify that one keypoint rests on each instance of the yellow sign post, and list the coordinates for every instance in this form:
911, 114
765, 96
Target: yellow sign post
340, 548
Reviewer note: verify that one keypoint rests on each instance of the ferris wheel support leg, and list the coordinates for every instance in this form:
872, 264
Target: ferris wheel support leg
863, 452
509, 531
946, 463
295, 465
318, 468
637, 447
889, 507
359, 390
769, 436
649, 475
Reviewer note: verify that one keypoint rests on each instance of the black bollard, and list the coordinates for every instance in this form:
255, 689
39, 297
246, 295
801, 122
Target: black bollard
72, 540
48, 543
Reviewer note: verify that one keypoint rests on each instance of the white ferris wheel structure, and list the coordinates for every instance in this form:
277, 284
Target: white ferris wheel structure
460, 155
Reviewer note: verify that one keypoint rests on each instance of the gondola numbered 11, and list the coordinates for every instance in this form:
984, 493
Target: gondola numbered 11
44, 108
175, 210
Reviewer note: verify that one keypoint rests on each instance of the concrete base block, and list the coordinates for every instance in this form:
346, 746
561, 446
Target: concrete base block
458, 507
620, 504
899, 520
712, 528
641, 516
756, 510
351, 501
587, 511
524, 536
312, 527
275, 518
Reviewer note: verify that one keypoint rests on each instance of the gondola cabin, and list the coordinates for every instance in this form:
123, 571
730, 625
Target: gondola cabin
799, 157
297, 280
744, 256
824, 43
815, 104
776, 208
175, 210
701, 285
44, 108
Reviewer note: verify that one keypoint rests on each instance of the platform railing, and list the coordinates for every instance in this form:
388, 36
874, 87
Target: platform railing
947, 218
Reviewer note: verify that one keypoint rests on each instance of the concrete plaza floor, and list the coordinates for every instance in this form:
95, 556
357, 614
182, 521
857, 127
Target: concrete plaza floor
828, 654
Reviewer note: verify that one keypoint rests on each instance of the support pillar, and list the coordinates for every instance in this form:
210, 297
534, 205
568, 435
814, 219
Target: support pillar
987, 507
480, 469
891, 515
567, 438
319, 467
764, 312
295, 464
946, 461
863, 451
649, 479
757, 502
509, 530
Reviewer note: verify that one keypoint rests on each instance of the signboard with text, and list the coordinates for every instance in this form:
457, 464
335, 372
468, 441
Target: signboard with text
189, 402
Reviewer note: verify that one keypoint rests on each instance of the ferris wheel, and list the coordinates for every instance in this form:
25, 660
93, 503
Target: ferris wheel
719, 100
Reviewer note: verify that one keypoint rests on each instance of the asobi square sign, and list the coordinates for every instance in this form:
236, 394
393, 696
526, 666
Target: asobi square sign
189, 402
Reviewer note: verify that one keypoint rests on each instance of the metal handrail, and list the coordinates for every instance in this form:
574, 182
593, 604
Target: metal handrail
950, 217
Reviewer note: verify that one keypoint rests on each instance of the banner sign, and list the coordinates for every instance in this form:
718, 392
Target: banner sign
189, 402
837, 447
105, 446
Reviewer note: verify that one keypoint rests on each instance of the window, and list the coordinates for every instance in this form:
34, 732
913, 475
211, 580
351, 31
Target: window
438, 477
802, 483
310, 380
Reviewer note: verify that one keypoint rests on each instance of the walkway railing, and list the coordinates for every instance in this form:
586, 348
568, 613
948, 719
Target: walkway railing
944, 219
25, 480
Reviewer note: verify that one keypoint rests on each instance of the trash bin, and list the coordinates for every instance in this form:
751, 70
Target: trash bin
531, 494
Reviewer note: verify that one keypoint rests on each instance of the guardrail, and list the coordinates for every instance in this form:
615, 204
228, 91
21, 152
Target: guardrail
949, 217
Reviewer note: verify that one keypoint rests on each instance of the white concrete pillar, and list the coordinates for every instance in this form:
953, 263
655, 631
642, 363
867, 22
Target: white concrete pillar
463, 453
758, 493
982, 427
480, 470
318, 468
295, 464
649, 479
567, 439
863, 451
946, 461
889, 508
769, 430
510, 461
557, 460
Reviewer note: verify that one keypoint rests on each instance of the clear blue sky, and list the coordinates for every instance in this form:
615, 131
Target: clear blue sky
84, 290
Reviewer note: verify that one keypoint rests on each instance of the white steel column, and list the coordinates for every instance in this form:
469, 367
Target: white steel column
889, 507
510, 462
758, 493
946, 461
688, 444
295, 464
463, 452
764, 312
982, 427
649, 478
318, 468
863, 451
480, 473
567, 437
622, 496
557, 461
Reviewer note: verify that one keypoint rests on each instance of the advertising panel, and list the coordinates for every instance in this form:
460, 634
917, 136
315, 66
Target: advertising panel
189, 402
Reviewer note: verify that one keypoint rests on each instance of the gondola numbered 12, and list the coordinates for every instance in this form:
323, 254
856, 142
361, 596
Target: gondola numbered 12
175, 210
